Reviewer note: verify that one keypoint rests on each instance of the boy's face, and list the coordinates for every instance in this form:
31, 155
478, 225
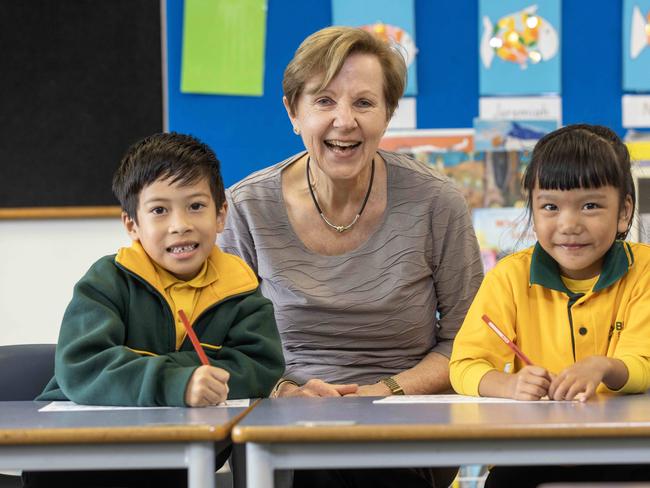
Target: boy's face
177, 225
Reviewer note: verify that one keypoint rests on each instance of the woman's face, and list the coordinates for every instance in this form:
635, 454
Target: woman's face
341, 125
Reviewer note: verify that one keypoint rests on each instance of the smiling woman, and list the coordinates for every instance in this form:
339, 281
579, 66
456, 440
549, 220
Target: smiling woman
368, 256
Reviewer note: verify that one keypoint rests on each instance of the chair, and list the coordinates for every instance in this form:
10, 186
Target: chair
25, 369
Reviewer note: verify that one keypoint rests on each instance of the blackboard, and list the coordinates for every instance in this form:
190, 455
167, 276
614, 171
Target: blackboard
80, 80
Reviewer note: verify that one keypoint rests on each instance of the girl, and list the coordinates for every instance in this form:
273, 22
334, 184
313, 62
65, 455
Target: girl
578, 302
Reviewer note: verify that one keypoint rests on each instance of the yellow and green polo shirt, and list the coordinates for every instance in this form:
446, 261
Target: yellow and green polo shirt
526, 297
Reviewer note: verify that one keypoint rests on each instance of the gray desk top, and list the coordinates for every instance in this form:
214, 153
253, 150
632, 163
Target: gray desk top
22, 423
358, 419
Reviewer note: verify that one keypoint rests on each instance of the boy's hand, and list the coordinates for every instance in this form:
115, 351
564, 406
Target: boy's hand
579, 381
208, 385
529, 383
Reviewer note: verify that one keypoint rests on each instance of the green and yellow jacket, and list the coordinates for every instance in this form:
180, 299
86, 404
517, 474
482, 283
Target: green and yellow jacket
117, 340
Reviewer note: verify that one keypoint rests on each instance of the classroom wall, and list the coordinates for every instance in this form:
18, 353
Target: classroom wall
42, 260
46, 258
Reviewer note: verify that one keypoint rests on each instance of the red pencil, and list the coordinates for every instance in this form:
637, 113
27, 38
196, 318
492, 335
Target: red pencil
195, 341
505, 339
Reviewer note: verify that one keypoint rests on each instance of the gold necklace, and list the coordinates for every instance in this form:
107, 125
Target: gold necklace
341, 228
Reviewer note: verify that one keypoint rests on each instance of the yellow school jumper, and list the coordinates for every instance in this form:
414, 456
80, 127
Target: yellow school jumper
526, 298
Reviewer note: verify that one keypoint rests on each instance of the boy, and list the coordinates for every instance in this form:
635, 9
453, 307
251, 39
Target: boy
122, 341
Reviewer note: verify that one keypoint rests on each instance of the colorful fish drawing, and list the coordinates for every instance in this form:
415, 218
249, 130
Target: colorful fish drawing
520, 37
639, 32
392, 33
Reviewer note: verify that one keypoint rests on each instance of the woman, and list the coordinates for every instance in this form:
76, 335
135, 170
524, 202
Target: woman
369, 258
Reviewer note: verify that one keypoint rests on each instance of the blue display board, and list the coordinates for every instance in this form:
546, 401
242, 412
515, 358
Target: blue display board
249, 133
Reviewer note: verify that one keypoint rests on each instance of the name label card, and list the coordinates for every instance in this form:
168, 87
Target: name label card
636, 111
521, 108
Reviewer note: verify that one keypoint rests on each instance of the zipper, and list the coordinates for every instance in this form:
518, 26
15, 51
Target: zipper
171, 336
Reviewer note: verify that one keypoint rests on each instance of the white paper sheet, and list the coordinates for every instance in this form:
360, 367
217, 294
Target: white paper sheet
74, 407
405, 399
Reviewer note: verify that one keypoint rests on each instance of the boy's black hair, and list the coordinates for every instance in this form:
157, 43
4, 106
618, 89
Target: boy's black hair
581, 156
181, 157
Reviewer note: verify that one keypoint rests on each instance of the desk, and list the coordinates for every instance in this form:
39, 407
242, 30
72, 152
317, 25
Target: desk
115, 439
304, 433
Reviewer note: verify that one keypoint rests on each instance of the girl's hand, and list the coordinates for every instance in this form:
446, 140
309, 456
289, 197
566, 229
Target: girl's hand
208, 385
316, 388
529, 383
579, 381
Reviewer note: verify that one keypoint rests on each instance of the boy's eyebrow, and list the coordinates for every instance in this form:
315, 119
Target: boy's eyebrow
199, 194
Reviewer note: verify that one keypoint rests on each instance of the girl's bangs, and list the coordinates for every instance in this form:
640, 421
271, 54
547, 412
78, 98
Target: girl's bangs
582, 169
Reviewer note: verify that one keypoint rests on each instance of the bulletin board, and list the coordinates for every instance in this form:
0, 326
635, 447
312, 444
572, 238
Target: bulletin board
81, 81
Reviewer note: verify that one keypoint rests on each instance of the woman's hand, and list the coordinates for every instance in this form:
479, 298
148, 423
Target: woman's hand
579, 381
377, 389
316, 388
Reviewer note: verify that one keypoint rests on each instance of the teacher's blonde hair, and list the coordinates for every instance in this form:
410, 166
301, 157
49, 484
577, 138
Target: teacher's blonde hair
324, 53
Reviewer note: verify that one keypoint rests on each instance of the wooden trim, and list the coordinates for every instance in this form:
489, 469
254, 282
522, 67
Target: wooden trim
99, 435
430, 432
60, 212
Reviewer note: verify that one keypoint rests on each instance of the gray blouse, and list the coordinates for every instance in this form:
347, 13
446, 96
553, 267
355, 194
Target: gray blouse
376, 310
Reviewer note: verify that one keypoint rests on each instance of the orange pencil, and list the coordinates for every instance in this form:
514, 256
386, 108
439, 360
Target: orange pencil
195, 341
505, 339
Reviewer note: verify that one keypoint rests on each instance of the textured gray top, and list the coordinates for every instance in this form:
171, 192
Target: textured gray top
371, 312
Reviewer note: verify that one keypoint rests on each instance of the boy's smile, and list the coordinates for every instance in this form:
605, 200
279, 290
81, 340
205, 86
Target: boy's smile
577, 227
177, 225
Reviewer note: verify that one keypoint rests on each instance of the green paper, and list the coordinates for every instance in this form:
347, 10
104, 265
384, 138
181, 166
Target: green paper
223, 47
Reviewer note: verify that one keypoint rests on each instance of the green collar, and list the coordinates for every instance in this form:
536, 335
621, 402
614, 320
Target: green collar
544, 270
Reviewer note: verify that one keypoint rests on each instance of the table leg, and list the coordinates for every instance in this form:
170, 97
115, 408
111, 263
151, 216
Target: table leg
259, 468
200, 465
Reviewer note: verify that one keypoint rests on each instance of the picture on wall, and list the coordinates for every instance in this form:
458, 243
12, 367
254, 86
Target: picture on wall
390, 20
519, 47
510, 135
636, 45
448, 151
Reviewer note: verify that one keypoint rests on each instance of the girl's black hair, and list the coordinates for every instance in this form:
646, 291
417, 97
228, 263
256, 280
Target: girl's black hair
581, 156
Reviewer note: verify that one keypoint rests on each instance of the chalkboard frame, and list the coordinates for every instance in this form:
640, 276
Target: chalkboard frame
134, 27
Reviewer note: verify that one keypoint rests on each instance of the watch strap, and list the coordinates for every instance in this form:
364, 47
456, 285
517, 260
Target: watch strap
392, 385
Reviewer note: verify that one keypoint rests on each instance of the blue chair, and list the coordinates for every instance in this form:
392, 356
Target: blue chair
25, 369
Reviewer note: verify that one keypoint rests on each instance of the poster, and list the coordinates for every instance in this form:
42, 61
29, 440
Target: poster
501, 231
519, 47
223, 47
448, 151
391, 20
636, 45
510, 135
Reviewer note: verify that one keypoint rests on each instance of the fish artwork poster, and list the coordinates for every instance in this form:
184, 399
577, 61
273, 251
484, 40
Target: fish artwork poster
519, 47
390, 20
636, 45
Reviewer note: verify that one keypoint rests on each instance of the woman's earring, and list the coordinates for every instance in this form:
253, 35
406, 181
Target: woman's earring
296, 130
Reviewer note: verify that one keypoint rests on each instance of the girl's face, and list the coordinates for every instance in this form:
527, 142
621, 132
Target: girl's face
577, 227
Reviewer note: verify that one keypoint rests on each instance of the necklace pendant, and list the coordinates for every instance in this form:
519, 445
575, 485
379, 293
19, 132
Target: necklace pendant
340, 229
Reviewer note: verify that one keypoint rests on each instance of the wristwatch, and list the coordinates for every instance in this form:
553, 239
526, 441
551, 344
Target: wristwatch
392, 385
